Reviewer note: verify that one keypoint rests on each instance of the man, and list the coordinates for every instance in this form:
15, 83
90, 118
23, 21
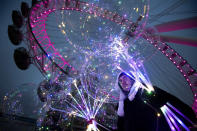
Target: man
140, 111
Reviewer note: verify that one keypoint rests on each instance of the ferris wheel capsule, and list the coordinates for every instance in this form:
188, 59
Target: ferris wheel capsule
17, 18
14, 35
24, 9
22, 58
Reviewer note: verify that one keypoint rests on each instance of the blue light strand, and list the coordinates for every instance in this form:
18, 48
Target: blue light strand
168, 120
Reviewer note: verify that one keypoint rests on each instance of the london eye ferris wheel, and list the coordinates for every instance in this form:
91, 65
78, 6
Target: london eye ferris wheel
81, 47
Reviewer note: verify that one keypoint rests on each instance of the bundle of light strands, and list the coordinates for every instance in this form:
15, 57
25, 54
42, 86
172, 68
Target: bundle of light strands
173, 121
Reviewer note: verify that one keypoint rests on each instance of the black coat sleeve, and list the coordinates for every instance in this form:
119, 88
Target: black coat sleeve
120, 123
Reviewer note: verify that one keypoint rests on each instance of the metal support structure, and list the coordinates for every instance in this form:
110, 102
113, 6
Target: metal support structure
177, 25
179, 40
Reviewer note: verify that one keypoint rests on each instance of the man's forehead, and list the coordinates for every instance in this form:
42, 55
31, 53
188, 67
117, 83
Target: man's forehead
124, 76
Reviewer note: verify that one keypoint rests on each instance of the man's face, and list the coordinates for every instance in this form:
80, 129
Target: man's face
125, 82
